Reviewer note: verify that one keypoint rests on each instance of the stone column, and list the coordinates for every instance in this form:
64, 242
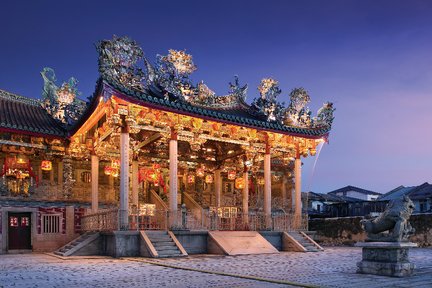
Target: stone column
52, 182
267, 187
284, 190
173, 178
135, 183
218, 187
297, 197
40, 173
124, 179
111, 191
245, 201
94, 183
60, 175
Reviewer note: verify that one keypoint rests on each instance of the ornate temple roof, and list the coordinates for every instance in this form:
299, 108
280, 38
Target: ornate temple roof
24, 115
166, 86
234, 115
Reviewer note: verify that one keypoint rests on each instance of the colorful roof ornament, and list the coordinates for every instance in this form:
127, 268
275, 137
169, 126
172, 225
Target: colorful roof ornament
167, 84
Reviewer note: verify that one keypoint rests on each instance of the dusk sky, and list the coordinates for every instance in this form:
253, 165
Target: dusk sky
373, 59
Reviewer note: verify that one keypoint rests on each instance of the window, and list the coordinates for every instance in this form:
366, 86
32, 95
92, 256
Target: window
319, 208
51, 223
423, 206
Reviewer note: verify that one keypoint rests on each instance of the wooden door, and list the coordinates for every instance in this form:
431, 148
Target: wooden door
19, 228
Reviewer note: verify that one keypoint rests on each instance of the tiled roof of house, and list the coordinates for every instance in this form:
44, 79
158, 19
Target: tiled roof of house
422, 191
25, 115
414, 192
353, 188
328, 197
396, 193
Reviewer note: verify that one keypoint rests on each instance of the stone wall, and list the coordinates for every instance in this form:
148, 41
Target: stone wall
347, 230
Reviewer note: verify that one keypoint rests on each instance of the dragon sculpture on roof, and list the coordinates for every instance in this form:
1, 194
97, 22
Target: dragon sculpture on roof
170, 78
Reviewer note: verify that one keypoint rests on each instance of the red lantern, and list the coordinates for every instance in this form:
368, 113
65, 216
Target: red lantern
209, 179
46, 165
108, 170
231, 174
115, 164
190, 179
239, 183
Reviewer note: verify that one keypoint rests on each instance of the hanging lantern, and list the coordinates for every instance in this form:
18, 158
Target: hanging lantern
200, 172
231, 174
239, 183
21, 159
108, 170
209, 179
190, 179
115, 164
115, 173
46, 165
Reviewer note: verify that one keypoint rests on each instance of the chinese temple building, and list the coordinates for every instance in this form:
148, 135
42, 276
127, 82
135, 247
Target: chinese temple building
151, 150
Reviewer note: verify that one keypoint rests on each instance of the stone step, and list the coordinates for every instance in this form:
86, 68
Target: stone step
159, 240
167, 249
163, 244
168, 254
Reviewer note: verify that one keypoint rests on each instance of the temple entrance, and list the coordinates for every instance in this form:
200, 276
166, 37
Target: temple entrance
19, 231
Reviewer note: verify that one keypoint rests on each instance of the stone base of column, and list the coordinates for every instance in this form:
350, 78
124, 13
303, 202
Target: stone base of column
386, 258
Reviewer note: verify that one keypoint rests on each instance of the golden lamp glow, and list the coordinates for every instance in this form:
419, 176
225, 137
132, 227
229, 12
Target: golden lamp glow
191, 179
231, 174
239, 183
209, 179
46, 165
21, 160
200, 172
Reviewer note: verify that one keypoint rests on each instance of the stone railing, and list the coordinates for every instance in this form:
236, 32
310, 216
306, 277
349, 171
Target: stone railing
105, 220
160, 219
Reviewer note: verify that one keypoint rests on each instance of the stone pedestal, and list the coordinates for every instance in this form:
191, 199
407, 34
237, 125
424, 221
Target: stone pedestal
386, 258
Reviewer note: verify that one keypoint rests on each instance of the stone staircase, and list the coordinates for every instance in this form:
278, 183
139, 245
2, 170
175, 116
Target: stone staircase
165, 244
305, 241
77, 244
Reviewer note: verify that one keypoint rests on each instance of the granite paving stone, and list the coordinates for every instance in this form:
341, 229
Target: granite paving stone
335, 267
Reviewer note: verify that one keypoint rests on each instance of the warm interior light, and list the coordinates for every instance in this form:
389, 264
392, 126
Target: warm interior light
231, 174
46, 165
209, 179
200, 172
239, 183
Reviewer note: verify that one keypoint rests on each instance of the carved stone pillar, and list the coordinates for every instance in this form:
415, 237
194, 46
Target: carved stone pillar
245, 201
218, 187
60, 175
173, 178
284, 190
135, 183
267, 186
124, 179
297, 197
94, 183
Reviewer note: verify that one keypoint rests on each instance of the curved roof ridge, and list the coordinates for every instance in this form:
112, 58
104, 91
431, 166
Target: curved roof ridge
18, 98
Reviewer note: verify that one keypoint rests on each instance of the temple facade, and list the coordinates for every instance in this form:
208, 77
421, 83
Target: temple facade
151, 150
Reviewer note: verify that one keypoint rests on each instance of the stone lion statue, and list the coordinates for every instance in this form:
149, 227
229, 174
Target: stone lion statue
392, 225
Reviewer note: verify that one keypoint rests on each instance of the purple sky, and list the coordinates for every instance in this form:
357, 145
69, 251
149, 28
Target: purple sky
373, 59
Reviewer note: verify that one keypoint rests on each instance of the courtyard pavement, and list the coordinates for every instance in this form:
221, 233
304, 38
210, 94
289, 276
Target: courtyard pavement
335, 267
